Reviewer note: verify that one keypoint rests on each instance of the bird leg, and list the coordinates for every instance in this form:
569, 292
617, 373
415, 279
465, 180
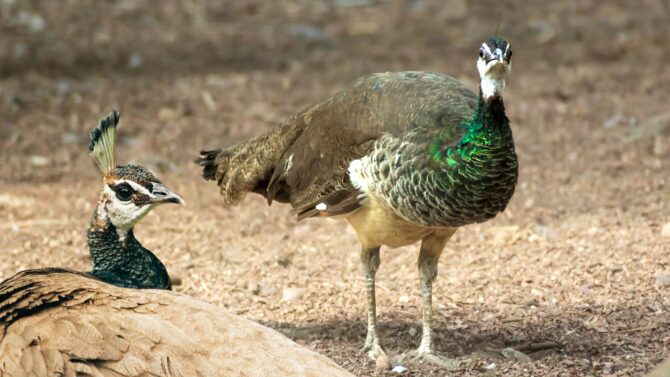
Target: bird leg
370, 262
431, 249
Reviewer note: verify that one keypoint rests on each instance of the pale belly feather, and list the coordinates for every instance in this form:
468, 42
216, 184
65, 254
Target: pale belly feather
378, 225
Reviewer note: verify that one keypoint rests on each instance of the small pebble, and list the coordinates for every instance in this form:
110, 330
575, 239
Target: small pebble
134, 61
411, 331
665, 230
62, 86
399, 369
292, 294
662, 279
613, 121
382, 363
39, 161
36, 23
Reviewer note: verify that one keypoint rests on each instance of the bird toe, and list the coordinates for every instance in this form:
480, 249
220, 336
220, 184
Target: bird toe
431, 357
374, 351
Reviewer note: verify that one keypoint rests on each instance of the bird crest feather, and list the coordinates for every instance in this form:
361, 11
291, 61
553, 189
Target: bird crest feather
102, 147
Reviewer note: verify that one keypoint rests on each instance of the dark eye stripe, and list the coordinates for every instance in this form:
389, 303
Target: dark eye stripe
141, 199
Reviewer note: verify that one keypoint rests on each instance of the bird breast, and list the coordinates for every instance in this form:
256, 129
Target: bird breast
404, 178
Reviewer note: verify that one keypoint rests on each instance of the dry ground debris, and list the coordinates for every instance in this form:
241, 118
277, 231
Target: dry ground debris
570, 280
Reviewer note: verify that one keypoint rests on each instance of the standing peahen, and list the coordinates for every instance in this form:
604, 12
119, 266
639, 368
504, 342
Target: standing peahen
405, 157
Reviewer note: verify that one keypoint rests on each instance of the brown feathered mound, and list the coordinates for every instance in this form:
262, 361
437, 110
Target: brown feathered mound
662, 370
56, 322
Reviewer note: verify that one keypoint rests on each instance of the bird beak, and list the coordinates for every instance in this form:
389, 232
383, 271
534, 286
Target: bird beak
164, 195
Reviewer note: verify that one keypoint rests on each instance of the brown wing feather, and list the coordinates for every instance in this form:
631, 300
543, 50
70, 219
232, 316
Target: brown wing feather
59, 322
313, 169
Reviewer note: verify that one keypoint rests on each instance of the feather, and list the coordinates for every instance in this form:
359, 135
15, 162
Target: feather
207, 160
102, 147
312, 150
136, 332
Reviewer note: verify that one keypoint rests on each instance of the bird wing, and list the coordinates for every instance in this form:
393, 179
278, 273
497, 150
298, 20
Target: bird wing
313, 171
60, 322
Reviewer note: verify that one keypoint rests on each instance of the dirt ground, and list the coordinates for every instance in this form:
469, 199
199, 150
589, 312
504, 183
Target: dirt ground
575, 274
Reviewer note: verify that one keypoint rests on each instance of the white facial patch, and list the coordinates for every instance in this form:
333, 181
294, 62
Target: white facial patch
136, 186
492, 77
125, 214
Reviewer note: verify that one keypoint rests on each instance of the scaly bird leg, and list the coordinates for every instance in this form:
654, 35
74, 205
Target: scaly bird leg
431, 249
370, 262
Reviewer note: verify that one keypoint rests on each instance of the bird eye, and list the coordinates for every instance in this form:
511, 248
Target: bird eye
481, 52
509, 54
123, 191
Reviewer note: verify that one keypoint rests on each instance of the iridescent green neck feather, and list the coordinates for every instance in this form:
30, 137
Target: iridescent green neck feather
120, 259
483, 134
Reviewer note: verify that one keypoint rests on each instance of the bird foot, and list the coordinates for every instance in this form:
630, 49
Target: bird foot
374, 350
431, 357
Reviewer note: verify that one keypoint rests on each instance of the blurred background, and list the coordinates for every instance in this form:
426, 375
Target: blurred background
580, 258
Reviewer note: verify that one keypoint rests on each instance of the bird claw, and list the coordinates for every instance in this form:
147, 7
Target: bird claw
435, 359
374, 350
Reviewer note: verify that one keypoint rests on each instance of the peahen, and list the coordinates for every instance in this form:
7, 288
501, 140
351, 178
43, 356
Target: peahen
404, 157
60, 322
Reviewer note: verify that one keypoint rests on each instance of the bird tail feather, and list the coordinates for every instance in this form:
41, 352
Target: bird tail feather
248, 166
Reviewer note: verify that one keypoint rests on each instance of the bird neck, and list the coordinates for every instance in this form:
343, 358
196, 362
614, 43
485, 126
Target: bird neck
120, 259
486, 130
490, 112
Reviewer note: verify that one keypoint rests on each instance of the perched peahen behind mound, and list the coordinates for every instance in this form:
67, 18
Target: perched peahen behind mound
404, 157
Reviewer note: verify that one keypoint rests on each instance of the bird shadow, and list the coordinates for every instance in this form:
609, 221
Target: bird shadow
536, 338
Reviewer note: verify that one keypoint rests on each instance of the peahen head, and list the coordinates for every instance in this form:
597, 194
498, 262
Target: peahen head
130, 191
495, 61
